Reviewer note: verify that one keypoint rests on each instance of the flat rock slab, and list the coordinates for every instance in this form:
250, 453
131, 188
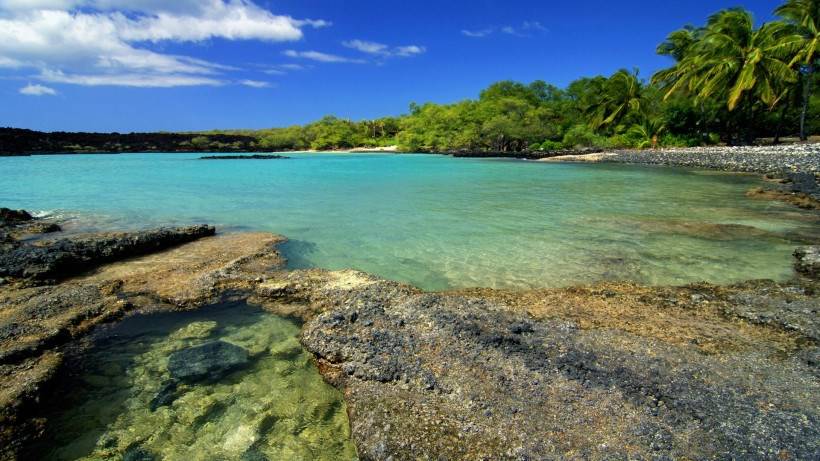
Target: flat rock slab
244, 157
208, 362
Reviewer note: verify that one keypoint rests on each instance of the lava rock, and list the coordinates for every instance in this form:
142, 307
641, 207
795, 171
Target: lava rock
8, 216
207, 362
65, 257
808, 260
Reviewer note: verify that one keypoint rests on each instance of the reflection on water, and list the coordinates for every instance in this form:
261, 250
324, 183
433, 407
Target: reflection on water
258, 397
439, 222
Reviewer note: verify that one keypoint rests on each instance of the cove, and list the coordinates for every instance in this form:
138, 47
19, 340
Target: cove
438, 222
139, 393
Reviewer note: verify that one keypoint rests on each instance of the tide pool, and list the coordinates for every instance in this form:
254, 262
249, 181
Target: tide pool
435, 221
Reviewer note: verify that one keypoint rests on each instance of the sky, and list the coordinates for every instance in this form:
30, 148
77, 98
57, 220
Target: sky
142, 65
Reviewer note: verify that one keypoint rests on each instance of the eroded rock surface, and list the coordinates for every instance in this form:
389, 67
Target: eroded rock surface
65, 257
466, 378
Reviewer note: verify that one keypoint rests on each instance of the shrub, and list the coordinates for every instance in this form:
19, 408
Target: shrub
583, 136
550, 145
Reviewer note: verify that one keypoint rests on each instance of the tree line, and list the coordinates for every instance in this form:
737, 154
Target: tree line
730, 82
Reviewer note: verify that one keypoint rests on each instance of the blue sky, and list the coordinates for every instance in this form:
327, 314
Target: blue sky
141, 65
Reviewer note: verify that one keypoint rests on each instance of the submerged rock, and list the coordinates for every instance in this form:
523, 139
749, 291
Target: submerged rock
207, 362
137, 453
165, 396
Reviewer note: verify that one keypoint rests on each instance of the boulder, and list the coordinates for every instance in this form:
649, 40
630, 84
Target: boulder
9, 216
802, 182
808, 260
207, 362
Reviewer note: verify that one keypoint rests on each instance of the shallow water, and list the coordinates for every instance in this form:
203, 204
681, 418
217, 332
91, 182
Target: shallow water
276, 407
439, 222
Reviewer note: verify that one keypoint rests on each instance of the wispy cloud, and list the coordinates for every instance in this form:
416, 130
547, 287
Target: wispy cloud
109, 42
130, 79
526, 29
477, 33
380, 49
321, 57
37, 90
255, 83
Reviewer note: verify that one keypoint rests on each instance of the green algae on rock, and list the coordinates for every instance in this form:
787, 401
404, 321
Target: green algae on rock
275, 407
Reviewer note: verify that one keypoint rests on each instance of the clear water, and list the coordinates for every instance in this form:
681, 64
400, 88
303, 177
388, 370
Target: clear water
277, 407
439, 222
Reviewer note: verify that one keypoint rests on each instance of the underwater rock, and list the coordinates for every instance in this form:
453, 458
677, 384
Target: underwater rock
209, 361
165, 396
802, 182
194, 330
808, 260
137, 453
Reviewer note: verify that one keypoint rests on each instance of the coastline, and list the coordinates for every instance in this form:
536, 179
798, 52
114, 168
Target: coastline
653, 368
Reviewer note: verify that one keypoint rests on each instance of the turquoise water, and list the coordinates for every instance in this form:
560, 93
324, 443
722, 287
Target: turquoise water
435, 221
276, 406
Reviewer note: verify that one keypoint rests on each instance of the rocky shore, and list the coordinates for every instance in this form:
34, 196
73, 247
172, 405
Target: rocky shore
751, 159
610, 371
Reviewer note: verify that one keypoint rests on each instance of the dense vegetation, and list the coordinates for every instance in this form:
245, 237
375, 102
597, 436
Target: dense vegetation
16, 141
730, 82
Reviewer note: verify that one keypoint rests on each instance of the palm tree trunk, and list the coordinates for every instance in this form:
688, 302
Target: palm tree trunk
780, 120
806, 96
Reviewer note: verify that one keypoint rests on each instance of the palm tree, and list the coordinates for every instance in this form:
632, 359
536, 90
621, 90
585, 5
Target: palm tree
623, 93
732, 60
679, 42
647, 133
804, 15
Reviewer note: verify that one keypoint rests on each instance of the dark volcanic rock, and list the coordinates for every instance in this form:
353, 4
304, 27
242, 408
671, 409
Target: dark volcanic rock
808, 260
63, 258
802, 182
8, 216
209, 361
244, 157
444, 377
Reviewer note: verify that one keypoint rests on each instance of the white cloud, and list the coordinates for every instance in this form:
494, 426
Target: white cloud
409, 50
380, 49
129, 79
526, 29
477, 33
321, 57
367, 47
255, 83
93, 41
37, 90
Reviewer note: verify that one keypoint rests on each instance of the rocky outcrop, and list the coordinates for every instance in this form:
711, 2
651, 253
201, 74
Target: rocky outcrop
808, 261
38, 324
465, 378
9, 216
66, 257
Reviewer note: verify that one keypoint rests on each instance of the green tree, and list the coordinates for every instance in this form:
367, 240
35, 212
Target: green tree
804, 15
